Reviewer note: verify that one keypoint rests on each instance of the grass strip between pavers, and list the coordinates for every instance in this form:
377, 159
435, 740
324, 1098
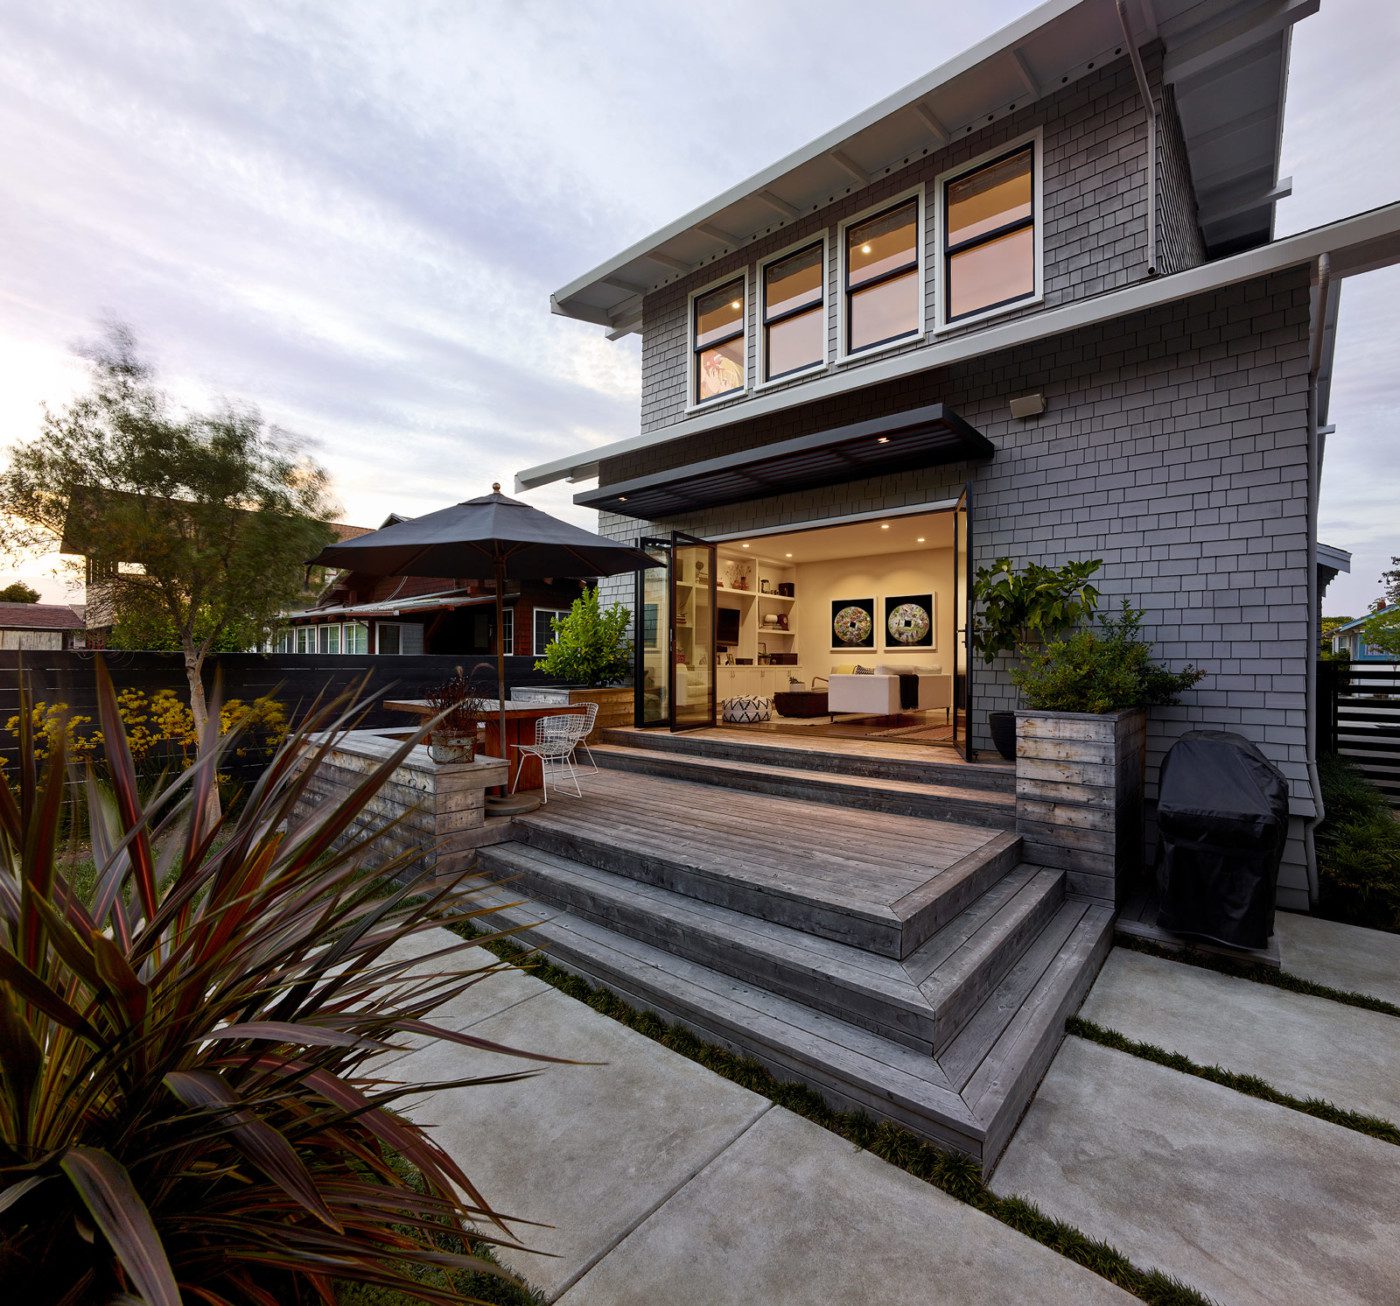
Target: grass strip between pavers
958, 1176
1251, 1085
1279, 979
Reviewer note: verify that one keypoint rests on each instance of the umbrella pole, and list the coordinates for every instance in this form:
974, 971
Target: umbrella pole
501, 659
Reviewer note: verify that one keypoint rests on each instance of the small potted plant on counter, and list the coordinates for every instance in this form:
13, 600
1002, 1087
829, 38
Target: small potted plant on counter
1021, 611
459, 710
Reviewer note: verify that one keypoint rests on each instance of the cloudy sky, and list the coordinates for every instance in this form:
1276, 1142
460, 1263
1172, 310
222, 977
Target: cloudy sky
352, 213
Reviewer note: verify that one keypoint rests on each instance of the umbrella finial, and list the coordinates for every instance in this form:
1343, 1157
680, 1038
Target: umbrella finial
495, 487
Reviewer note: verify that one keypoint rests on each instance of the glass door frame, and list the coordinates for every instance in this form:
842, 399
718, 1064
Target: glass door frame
962, 611
680, 540
664, 637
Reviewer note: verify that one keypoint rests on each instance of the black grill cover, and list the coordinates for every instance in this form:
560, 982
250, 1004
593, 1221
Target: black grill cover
1222, 817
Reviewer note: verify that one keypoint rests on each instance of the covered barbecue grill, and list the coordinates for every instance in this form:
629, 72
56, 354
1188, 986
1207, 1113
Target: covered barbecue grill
1222, 818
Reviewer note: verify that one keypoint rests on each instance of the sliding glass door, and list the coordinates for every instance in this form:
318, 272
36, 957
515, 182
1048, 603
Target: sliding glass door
962, 623
675, 634
692, 632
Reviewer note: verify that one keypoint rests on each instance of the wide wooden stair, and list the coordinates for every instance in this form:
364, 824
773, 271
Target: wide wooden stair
877, 936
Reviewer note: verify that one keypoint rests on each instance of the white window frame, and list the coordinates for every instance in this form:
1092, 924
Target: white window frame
843, 352
507, 633
691, 404
380, 626
305, 635
761, 330
535, 628
1035, 138
363, 628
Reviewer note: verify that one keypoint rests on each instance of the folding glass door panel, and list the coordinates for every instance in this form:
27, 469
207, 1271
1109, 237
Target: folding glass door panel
652, 622
962, 623
692, 632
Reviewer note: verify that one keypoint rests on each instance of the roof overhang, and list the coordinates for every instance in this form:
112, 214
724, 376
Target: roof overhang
1353, 245
1227, 59
920, 437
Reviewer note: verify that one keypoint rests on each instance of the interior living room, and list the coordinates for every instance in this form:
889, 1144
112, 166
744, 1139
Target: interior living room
841, 631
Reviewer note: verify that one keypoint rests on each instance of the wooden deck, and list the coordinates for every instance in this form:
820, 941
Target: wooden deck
867, 878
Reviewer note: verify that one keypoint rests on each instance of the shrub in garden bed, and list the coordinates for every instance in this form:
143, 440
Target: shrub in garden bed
190, 1106
1358, 849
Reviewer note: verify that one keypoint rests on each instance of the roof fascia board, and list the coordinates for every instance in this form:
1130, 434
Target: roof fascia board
1377, 224
1006, 38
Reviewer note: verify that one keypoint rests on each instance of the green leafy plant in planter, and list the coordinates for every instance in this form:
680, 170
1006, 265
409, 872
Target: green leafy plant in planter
591, 646
1108, 669
192, 1101
1018, 611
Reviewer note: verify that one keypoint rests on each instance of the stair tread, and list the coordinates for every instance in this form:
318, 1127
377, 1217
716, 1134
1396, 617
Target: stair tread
970, 792
974, 1107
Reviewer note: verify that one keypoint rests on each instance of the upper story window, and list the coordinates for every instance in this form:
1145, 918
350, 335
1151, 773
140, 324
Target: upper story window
719, 362
794, 312
989, 236
883, 270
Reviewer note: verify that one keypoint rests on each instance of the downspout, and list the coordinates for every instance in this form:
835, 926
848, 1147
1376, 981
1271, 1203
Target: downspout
1150, 105
1324, 287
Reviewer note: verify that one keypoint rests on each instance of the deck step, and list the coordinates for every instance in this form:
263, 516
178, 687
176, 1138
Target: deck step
920, 1002
954, 800
914, 763
816, 891
1001, 1054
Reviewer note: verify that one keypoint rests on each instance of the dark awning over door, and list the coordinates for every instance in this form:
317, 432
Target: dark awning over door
901, 442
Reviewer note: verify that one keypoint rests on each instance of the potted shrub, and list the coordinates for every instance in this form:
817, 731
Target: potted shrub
592, 653
459, 710
1020, 611
1083, 750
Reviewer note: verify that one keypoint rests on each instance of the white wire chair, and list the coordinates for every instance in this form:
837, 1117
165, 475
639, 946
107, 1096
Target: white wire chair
556, 737
589, 716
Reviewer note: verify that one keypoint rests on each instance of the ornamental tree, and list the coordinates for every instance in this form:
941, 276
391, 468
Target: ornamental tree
18, 592
199, 523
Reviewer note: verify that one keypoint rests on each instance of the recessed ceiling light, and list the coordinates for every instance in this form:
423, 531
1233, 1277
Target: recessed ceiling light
787, 555
920, 539
884, 439
735, 304
622, 498
865, 249
884, 525
743, 546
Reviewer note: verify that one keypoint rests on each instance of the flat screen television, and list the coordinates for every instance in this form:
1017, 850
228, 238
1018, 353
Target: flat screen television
727, 627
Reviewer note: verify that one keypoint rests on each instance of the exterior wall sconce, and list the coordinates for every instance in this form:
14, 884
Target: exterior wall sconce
1028, 405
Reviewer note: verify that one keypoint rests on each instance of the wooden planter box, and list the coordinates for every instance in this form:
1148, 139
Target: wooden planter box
615, 703
1079, 781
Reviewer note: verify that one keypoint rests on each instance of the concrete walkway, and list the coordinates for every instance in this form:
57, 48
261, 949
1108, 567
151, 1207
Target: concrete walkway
665, 1182
1247, 1201
1343, 957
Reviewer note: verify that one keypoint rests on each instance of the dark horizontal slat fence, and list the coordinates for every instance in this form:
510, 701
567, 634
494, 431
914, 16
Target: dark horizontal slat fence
1359, 719
295, 679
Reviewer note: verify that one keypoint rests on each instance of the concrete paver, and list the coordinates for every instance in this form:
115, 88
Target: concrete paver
790, 1213
1343, 956
589, 1149
1247, 1201
1310, 1047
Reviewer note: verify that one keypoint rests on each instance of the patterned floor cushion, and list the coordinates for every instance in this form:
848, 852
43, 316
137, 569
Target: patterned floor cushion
746, 709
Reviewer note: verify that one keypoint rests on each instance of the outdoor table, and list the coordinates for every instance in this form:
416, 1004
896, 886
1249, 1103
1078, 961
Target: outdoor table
520, 729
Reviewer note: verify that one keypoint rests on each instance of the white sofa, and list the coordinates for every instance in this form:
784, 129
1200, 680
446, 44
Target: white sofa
878, 695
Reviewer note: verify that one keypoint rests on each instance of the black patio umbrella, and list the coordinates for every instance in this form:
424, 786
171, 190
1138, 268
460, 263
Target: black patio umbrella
490, 538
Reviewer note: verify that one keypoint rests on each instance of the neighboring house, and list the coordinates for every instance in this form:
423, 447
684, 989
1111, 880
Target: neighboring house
396, 615
1030, 305
1351, 639
47, 626
100, 570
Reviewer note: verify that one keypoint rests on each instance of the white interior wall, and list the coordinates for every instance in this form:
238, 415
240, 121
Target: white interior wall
920, 572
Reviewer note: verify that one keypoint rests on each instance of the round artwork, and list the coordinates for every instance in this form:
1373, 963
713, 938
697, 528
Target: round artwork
852, 625
908, 623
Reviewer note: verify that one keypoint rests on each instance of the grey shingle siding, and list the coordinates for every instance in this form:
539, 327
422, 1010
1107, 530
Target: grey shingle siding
1179, 242
1174, 447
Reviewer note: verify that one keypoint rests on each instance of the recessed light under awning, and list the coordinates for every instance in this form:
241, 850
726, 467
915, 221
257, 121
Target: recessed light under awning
901, 442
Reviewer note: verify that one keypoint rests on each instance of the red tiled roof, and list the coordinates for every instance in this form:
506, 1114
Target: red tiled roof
39, 616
